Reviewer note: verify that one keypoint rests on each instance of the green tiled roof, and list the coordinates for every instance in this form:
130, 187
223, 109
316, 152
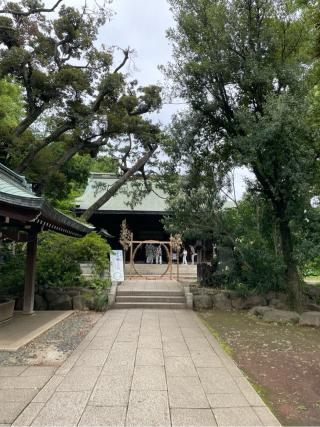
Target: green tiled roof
153, 202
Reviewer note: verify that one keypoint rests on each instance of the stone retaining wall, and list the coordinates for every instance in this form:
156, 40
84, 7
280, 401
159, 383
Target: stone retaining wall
208, 298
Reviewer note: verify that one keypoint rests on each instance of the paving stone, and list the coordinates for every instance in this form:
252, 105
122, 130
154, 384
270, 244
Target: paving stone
124, 347
186, 392
131, 372
150, 330
11, 371
192, 417
114, 396
63, 409
23, 382
217, 380
111, 391
236, 417
127, 336
168, 338
34, 371
121, 359
148, 408
10, 410
150, 341
149, 378
175, 349
266, 416
227, 400
103, 416
149, 357
197, 343
92, 358
100, 343
181, 366
28, 415
205, 359
17, 395
191, 332
108, 333
47, 391
115, 367
79, 379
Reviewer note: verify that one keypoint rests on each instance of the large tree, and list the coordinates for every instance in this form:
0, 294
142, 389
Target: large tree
76, 99
242, 66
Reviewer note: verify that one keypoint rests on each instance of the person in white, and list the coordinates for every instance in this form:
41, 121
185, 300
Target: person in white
184, 256
193, 254
159, 255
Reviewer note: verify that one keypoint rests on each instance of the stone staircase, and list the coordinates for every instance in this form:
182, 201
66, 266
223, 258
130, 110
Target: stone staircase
156, 294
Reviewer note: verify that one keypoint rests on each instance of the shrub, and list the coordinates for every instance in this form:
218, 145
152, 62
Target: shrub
58, 261
59, 257
12, 267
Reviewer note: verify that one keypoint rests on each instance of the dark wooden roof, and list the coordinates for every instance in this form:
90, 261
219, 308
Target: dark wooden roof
20, 207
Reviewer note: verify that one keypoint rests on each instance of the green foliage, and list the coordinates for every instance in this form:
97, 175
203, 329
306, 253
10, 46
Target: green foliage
12, 267
101, 301
11, 111
75, 104
11, 104
312, 268
58, 261
59, 258
243, 69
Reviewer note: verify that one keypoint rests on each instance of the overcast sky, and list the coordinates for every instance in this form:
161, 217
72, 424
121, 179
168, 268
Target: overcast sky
142, 25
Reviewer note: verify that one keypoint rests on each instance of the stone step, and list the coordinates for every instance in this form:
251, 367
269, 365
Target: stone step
149, 293
145, 298
156, 305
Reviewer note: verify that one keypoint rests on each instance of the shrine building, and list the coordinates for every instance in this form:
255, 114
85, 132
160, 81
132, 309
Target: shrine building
144, 219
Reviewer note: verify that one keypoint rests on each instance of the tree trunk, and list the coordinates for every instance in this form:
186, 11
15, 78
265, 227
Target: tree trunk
294, 284
28, 121
117, 185
53, 137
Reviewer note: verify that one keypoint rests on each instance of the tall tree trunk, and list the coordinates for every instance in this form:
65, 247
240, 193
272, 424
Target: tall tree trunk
118, 184
294, 284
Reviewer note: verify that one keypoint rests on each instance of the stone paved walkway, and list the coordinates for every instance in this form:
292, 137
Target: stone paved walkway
143, 368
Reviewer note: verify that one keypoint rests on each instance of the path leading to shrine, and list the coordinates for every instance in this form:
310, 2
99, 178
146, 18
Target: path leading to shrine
145, 368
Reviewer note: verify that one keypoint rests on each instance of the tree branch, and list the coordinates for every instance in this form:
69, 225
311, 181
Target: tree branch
118, 184
31, 11
46, 141
126, 53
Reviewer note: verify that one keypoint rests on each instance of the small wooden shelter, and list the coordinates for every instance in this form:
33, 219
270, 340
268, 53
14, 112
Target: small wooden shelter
23, 215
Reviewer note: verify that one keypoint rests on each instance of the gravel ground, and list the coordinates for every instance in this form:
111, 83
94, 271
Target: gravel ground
54, 346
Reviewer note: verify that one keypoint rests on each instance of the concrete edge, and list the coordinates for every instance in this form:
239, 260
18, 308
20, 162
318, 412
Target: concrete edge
112, 293
189, 297
37, 332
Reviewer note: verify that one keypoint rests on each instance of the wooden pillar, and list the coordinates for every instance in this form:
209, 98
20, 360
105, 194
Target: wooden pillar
178, 263
30, 275
131, 256
170, 260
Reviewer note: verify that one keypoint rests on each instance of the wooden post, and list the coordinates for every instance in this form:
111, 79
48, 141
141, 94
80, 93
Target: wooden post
131, 256
170, 260
178, 263
30, 275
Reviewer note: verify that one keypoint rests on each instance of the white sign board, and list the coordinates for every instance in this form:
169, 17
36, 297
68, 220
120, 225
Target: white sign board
116, 266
